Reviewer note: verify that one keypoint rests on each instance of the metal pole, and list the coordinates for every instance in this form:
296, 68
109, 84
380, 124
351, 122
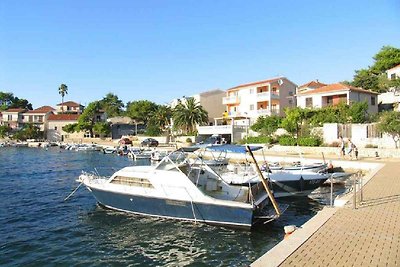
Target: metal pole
355, 192
361, 187
331, 191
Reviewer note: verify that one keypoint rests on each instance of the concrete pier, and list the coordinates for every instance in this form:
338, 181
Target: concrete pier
366, 236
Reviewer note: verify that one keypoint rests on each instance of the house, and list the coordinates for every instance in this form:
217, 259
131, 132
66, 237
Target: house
55, 123
391, 99
393, 73
333, 94
123, 126
211, 101
262, 98
38, 116
13, 118
310, 86
69, 107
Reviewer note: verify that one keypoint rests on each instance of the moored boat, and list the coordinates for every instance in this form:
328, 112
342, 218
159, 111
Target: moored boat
177, 189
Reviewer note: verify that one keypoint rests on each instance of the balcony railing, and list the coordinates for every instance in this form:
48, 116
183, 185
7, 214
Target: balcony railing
230, 100
267, 96
268, 112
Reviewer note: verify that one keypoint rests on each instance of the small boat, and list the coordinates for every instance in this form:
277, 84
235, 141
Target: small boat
284, 181
138, 154
176, 189
298, 166
88, 148
109, 150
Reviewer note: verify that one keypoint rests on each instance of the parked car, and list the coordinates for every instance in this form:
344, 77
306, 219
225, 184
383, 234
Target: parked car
125, 141
150, 142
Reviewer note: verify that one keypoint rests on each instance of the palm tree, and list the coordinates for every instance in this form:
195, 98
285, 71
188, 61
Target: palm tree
161, 117
62, 90
187, 115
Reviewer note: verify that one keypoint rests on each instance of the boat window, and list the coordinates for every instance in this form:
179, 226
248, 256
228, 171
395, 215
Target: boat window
132, 181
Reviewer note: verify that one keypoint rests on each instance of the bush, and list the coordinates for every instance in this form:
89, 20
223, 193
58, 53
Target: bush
258, 140
188, 140
310, 141
286, 140
371, 146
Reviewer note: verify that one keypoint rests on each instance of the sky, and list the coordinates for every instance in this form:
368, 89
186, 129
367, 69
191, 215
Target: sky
161, 50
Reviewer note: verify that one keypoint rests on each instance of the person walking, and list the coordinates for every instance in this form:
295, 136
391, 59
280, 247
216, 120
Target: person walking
350, 147
341, 145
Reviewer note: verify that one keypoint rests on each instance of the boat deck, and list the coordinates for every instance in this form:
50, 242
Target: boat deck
366, 236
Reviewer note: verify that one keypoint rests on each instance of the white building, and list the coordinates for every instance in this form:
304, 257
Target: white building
262, 98
69, 107
393, 73
38, 117
333, 94
391, 99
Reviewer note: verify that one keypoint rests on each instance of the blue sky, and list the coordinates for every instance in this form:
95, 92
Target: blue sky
160, 50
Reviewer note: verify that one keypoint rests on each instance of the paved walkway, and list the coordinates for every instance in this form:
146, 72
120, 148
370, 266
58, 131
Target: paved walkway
366, 236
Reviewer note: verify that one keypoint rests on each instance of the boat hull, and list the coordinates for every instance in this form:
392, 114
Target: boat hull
300, 187
183, 210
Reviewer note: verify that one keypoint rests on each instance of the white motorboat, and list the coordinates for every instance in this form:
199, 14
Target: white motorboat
176, 189
138, 154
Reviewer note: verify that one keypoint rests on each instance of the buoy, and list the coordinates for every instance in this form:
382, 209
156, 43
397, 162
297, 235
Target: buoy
289, 229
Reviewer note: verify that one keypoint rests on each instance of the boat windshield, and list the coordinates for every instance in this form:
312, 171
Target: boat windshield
173, 161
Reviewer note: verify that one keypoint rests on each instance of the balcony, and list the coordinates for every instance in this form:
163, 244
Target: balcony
230, 100
267, 112
265, 96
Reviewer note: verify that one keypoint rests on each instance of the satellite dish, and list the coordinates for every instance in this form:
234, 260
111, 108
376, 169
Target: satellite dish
280, 81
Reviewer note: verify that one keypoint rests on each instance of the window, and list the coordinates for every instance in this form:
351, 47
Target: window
252, 91
251, 107
55, 128
393, 76
309, 103
290, 101
290, 93
9, 117
132, 181
274, 89
373, 101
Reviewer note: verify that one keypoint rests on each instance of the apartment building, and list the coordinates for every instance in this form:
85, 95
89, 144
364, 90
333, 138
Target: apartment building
391, 99
13, 117
262, 98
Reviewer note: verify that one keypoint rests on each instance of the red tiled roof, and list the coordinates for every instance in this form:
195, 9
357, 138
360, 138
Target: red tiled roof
15, 110
336, 87
69, 104
43, 109
255, 83
312, 84
395, 67
63, 117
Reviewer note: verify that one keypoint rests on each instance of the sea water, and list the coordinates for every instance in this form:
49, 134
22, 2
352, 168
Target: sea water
39, 228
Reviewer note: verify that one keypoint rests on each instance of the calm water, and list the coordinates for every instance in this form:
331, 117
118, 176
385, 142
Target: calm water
38, 228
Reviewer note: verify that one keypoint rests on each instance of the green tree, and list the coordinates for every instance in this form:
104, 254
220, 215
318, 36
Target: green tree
267, 125
8, 100
389, 123
141, 110
367, 80
161, 118
358, 112
387, 58
62, 90
87, 119
29, 131
102, 128
187, 114
374, 77
70, 128
4, 131
295, 121
112, 105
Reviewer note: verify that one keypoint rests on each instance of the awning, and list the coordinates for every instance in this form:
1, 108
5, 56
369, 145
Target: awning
232, 148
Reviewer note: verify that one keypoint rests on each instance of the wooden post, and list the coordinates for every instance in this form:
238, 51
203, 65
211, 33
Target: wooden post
269, 192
